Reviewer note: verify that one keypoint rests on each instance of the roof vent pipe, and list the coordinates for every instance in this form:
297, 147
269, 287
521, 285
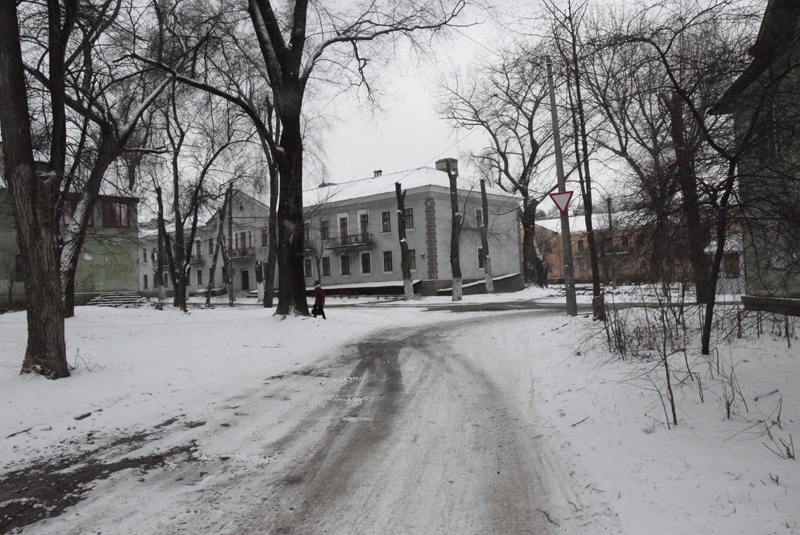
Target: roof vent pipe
378, 172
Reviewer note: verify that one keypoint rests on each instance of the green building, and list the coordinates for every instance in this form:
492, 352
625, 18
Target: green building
108, 261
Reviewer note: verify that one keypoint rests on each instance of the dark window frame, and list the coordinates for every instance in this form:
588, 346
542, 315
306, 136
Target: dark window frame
386, 221
368, 256
116, 214
387, 262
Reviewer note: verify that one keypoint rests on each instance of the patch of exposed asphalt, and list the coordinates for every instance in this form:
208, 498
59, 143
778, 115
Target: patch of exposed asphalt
504, 307
45, 489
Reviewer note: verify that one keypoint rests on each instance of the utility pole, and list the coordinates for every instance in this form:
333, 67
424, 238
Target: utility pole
566, 238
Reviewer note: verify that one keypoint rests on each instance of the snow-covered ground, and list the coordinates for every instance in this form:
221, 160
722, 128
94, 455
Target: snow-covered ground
147, 371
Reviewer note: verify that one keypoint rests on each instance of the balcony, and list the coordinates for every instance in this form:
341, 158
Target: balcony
362, 240
243, 252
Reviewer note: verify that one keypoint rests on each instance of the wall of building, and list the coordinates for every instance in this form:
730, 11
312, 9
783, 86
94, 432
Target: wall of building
107, 262
429, 239
249, 219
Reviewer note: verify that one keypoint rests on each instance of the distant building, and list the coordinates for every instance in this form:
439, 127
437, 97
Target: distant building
108, 258
246, 244
352, 242
764, 104
624, 251
617, 255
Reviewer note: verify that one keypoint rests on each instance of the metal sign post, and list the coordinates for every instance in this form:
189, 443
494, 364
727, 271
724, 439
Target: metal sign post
566, 238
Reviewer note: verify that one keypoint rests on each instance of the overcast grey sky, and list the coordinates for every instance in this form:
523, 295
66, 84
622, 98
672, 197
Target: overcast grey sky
406, 133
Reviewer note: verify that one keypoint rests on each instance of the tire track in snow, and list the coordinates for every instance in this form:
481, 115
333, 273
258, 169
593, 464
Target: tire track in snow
435, 448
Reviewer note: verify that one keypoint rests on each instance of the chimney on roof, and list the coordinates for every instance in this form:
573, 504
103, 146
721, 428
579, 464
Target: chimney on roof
378, 172
441, 165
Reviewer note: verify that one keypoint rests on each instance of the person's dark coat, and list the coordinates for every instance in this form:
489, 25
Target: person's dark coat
319, 301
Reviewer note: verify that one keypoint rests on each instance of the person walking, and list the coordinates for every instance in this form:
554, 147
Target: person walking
319, 301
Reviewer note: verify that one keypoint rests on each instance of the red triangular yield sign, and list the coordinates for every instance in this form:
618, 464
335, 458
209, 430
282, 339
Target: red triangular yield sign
562, 200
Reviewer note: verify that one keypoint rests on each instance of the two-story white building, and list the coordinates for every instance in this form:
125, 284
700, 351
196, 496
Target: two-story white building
352, 241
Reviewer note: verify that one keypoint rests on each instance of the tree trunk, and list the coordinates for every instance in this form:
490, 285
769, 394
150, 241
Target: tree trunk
487, 259
408, 284
76, 231
291, 234
166, 244
687, 180
272, 237
162, 291
532, 266
33, 201
218, 246
585, 180
455, 234
722, 232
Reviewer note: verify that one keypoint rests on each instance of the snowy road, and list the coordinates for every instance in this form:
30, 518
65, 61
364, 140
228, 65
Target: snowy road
416, 430
424, 442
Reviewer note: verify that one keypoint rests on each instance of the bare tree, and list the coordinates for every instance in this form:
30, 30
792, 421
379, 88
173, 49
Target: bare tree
701, 50
566, 29
502, 98
34, 194
197, 135
294, 43
626, 86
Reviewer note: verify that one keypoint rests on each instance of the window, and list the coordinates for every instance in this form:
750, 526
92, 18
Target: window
366, 263
144, 256
198, 248
412, 259
242, 240
264, 237
730, 262
144, 282
307, 265
211, 246
326, 266
481, 259
343, 230
115, 215
344, 264
245, 280
580, 245
68, 213
386, 221
199, 274
363, 224
19, 269
324, 229
408, 217
387, 261
153, 254
625, 240
478, 218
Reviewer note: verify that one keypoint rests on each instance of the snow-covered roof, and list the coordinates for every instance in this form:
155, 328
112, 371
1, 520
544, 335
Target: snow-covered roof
577, 223
382, 184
